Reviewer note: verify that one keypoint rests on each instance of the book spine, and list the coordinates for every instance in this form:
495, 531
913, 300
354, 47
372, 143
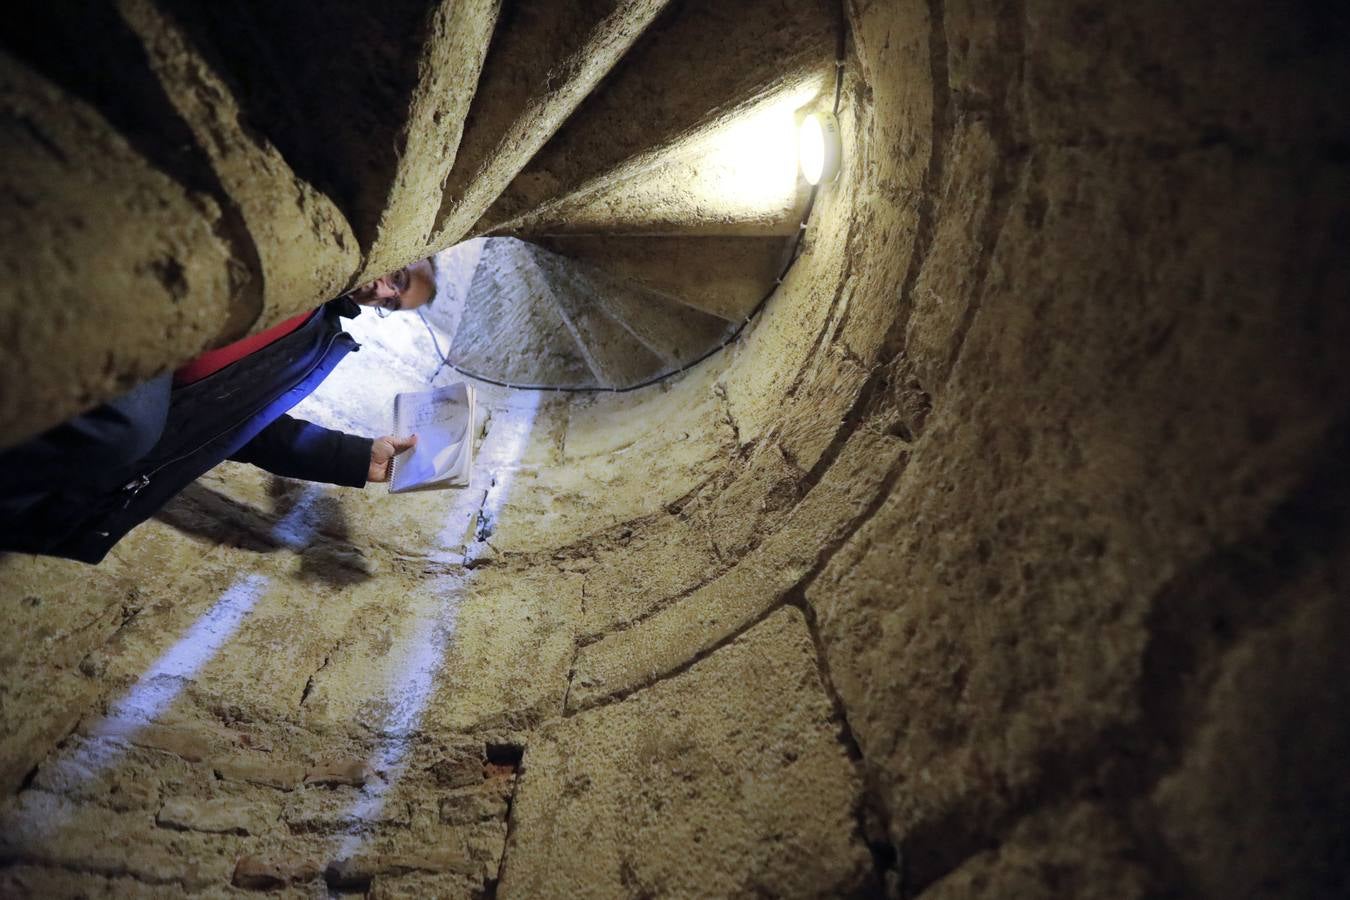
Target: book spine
398, 432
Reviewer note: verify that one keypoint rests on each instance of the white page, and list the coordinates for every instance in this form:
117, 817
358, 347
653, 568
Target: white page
443, 422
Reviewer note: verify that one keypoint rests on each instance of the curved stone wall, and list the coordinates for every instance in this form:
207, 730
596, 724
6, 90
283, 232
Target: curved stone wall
1005, 555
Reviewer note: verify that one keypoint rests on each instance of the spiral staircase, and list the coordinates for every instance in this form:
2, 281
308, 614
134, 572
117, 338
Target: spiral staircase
615, 257
619, 254
629, 162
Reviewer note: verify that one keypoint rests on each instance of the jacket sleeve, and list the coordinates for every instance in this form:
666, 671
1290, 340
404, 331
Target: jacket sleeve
295, 448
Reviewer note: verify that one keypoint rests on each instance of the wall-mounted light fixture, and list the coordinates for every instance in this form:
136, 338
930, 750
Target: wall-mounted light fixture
818, 147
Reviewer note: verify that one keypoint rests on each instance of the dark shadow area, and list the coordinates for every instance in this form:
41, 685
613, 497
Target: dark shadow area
319, 534
1244, 587
89, 51
327, 84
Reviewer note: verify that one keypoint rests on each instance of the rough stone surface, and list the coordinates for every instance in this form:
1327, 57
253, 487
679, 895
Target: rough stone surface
547, 59
222, 816
1078, 851
43, 830
1003, 555
333, 89
473, 805
748, 53
99, 224
352, 772
617, 319
615, 357
726, 277
665, 638
305, 247
280, 775
714, 783
676, 332
452, 60
512, 330
715, 189
270, 874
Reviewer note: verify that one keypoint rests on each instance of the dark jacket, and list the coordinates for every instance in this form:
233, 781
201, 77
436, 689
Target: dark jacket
235, 413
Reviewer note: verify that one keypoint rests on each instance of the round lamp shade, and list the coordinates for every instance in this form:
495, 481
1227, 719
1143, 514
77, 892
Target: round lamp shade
818, 147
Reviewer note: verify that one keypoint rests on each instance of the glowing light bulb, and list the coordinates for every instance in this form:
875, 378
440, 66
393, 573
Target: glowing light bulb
818, 147
749, 166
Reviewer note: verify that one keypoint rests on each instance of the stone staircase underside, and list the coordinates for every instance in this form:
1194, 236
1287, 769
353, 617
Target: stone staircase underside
285, 153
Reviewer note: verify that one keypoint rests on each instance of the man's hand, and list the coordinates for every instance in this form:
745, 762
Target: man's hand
382, 451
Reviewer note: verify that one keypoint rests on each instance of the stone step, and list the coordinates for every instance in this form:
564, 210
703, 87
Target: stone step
511, 330
544, 60
716, 194
303, 78
723, 276
676, 333
450, 65
615, 356
748, 53
310, 252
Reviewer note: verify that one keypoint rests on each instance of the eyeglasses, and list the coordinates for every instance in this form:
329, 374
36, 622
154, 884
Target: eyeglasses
399, 281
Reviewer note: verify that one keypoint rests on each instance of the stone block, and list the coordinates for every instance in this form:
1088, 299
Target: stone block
450, 764
224, 815
188, 744
108, 774
333, 812
725, 780
43, 881
663, 642
42, 829
754, 504
272, 873
263, 771
359, 870
458, 653
667, 557
353, 772
473, 805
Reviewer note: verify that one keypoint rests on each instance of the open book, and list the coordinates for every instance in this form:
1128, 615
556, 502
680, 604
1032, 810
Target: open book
443, 422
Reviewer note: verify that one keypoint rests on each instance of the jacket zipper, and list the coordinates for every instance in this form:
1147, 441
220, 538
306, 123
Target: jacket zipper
140, 482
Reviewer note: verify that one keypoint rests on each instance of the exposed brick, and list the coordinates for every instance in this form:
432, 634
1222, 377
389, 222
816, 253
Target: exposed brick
190, 745
225, 815
354, 772
360, 870
268, 773
271, 873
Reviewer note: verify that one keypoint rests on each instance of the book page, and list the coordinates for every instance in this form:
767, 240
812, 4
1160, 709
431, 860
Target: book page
442, 420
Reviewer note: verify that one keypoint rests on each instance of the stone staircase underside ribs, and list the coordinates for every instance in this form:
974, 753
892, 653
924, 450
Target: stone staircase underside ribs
315, 147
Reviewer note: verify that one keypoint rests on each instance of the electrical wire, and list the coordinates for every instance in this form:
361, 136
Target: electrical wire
437, 344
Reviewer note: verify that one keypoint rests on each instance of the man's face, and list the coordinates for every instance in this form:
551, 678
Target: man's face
408, 288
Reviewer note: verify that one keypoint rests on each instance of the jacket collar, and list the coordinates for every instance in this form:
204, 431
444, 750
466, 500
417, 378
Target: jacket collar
344, 306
